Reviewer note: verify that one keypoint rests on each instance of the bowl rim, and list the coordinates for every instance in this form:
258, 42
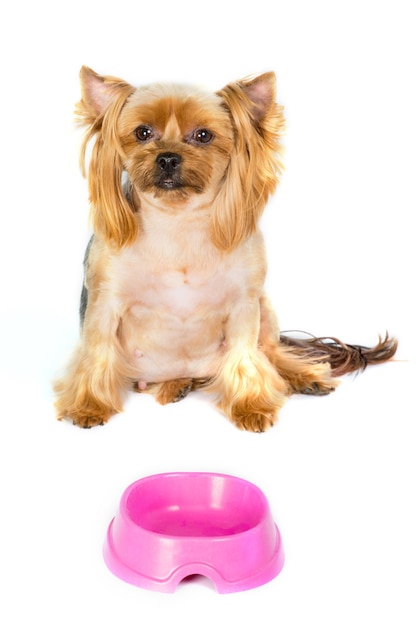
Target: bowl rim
265, 512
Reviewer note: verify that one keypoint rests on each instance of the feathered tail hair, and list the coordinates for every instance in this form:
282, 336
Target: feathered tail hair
344, 358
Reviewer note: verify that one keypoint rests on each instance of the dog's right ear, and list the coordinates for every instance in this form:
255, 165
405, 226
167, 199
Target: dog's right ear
103, 98
99, 91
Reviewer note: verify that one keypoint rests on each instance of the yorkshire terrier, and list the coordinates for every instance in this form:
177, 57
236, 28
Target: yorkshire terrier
173, 297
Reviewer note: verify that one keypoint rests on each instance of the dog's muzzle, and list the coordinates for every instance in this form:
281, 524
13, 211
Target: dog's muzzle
168, 170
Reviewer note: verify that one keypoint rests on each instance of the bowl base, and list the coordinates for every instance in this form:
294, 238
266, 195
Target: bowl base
169, 584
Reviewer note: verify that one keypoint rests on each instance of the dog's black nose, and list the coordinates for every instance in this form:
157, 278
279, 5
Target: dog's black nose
168, 162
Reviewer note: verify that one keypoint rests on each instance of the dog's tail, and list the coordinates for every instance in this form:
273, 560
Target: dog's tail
344, 358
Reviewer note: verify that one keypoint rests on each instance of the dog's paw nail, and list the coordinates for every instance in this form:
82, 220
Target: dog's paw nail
183, 393
316, 390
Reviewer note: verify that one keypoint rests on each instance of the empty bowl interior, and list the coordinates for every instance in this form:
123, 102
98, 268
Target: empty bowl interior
195, 505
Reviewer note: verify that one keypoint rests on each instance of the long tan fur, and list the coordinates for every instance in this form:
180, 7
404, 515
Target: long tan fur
173, 296
254, 166
111, 215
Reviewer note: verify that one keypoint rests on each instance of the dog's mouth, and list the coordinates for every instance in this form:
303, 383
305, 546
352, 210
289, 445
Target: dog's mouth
168, 182
164, 182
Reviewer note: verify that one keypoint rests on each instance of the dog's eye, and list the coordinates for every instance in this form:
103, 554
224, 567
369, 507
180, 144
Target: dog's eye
202, 135
144, 133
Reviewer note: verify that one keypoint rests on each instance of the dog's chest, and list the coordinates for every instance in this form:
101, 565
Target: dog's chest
175, 303
173, 320
181, 287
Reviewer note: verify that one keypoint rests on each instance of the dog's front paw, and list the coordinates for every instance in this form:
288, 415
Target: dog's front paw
88, 421
254, 422
87, 416
84, 420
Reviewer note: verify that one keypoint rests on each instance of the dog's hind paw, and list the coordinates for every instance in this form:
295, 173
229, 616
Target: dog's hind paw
316, 389
174, 390
314, 379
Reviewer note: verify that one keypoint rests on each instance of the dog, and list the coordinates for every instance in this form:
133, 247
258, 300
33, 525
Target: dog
173, 297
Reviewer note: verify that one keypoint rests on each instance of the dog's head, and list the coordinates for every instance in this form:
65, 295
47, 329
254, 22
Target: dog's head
180, 147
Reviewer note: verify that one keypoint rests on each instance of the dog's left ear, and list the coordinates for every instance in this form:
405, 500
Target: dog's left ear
103, 98
261, 93
254, 166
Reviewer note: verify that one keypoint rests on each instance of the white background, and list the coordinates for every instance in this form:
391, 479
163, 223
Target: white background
340, 472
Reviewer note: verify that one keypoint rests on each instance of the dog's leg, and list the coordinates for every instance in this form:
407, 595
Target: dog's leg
90, 393
303, 375
248, 388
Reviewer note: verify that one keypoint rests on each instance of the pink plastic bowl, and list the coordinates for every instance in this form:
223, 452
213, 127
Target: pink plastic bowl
170, 526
